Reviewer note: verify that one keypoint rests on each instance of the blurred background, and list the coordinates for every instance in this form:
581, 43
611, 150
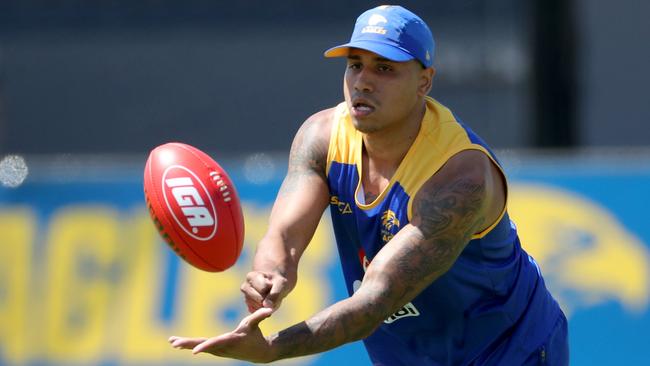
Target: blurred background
88, 88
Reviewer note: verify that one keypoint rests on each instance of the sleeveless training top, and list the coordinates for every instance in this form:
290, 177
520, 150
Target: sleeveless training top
491, 307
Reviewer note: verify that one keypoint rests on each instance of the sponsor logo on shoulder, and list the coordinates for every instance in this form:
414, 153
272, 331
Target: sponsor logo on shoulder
189, 202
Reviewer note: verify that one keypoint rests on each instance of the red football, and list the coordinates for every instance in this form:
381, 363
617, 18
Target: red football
194, 206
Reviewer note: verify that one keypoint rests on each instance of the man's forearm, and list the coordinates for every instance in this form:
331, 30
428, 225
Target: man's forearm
349, 320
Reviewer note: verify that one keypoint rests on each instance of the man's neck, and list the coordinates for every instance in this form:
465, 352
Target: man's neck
388, 147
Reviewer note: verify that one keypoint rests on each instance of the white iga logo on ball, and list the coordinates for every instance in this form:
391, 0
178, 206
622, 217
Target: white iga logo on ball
186, 196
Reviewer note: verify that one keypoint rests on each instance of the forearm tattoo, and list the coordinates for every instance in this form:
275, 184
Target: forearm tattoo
340, 323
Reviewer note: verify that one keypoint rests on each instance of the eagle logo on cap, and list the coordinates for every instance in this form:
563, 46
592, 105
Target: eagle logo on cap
376, 19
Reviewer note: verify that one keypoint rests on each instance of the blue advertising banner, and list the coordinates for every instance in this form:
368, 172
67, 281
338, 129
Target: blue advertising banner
85, 278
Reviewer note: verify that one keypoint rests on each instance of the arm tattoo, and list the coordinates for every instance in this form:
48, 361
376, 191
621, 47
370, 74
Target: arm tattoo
308, 157
343, 322
448, 216
451, 210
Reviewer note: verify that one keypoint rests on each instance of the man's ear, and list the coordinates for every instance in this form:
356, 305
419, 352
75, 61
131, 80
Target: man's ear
426, 80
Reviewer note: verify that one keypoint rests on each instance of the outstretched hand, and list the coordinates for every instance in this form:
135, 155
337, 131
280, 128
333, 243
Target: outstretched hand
246, 342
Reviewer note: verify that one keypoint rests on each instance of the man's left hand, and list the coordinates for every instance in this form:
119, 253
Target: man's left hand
246, 342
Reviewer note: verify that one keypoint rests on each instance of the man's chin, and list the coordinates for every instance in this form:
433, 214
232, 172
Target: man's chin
364, 126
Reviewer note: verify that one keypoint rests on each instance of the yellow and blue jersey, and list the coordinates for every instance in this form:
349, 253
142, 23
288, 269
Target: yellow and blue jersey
491, 307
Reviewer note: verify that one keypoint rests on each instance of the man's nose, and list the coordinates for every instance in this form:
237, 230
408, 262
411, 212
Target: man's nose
363, 82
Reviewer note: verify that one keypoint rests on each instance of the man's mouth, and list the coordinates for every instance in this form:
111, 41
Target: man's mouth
361, 109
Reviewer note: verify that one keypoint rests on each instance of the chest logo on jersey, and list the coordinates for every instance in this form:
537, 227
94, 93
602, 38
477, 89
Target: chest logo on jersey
389, 225
342, 207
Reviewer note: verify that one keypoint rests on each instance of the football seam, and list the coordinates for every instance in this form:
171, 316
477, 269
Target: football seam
189, 247
231, 207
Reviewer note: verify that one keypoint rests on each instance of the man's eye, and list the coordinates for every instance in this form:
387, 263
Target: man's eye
354, 66
384, 68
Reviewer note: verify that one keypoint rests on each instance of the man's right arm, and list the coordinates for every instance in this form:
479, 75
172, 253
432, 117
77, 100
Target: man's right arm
297, 210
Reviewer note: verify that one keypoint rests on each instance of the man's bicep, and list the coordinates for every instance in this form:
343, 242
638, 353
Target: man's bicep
304, 193
450, 211
299, 206
450, 207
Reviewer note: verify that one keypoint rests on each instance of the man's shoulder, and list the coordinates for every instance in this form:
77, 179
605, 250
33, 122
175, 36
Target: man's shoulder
313, 136
319, 125
322, 118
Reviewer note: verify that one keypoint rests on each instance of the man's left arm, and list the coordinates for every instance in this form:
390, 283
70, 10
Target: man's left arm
451, 206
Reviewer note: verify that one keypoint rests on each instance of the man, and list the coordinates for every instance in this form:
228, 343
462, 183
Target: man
433, 265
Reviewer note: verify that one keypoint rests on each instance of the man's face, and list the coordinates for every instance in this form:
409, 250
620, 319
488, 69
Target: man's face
381, 93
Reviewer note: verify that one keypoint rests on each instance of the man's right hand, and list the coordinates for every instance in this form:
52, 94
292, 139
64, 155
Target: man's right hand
264, 289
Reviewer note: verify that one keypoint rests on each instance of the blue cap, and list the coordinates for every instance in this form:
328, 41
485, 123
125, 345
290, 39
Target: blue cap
392, 32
